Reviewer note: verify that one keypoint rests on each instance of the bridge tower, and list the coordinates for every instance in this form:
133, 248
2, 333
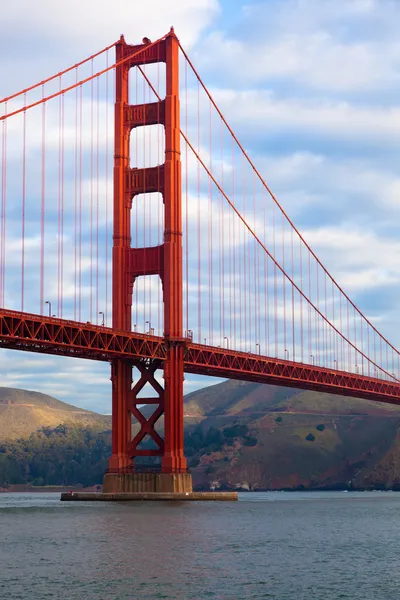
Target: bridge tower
129, 263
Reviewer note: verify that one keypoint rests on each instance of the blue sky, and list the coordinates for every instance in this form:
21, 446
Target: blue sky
311, 89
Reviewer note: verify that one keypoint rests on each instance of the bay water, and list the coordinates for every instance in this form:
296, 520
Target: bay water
288, 546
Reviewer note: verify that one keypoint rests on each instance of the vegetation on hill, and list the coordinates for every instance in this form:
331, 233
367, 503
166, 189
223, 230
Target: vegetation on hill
59, 456
74, 456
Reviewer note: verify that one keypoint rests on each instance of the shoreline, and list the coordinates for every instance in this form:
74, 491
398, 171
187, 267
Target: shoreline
25, 489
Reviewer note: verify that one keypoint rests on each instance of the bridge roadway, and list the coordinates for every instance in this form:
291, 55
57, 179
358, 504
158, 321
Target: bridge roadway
49, 335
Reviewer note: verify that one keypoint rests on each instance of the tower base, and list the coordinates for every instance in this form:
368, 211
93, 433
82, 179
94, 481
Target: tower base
170, 483
149, 496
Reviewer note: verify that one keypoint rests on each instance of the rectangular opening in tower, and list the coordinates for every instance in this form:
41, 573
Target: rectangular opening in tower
147, 220
147, 83
147, 146
147, 305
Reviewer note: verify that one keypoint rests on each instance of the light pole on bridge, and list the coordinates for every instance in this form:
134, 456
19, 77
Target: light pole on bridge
151, 329
49, 303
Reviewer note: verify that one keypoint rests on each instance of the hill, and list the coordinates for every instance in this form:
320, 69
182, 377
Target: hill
23, 412
236, 435
234, 398
292, 439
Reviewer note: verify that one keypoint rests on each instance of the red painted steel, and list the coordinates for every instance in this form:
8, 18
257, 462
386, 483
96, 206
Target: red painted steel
36, 333
165, 261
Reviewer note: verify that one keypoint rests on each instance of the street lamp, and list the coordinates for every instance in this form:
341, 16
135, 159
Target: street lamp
227, 341
356, 366
287, 352
258, 345
102, 320
335, 364
149, 323
205, 341
312, 359
49, 303
190, 334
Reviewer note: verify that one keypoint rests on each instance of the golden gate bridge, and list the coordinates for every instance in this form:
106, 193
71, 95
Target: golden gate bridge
145, 236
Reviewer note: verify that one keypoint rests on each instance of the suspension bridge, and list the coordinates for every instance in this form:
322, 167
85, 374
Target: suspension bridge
135, 229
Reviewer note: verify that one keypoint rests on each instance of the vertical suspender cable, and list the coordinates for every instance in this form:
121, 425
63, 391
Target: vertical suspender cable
232, 246
62, 201
97, 194
266, 286
159, 330
301, 306
210, 244
80, 202
59, 205
187, 202
284, 288
222, 241
293, 306
198, 220
309, 308
91, 198
42, 203
137, 281
256, 290
107, 198
76, 179
23, 211
145, 239
3, 209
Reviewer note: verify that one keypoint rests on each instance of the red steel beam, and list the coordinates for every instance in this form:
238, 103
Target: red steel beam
37, 333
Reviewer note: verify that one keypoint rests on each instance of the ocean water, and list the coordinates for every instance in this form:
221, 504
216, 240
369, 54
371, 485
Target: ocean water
293, 546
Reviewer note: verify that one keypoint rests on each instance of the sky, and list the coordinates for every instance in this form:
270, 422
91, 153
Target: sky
311, 89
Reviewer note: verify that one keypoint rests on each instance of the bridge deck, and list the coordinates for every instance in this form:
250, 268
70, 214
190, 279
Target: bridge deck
37, 333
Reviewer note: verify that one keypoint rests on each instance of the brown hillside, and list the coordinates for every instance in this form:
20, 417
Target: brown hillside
238, 398
22, 412
304, 439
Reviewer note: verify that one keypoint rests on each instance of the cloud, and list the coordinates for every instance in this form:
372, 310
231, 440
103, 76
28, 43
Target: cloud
348, 45
47, 36
267, 113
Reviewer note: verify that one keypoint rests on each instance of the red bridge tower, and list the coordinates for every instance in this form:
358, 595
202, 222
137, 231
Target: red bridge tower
130, 263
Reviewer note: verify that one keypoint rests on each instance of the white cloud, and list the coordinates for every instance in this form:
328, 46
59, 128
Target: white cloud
267, 113
356, 256
312, 42
54, 35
